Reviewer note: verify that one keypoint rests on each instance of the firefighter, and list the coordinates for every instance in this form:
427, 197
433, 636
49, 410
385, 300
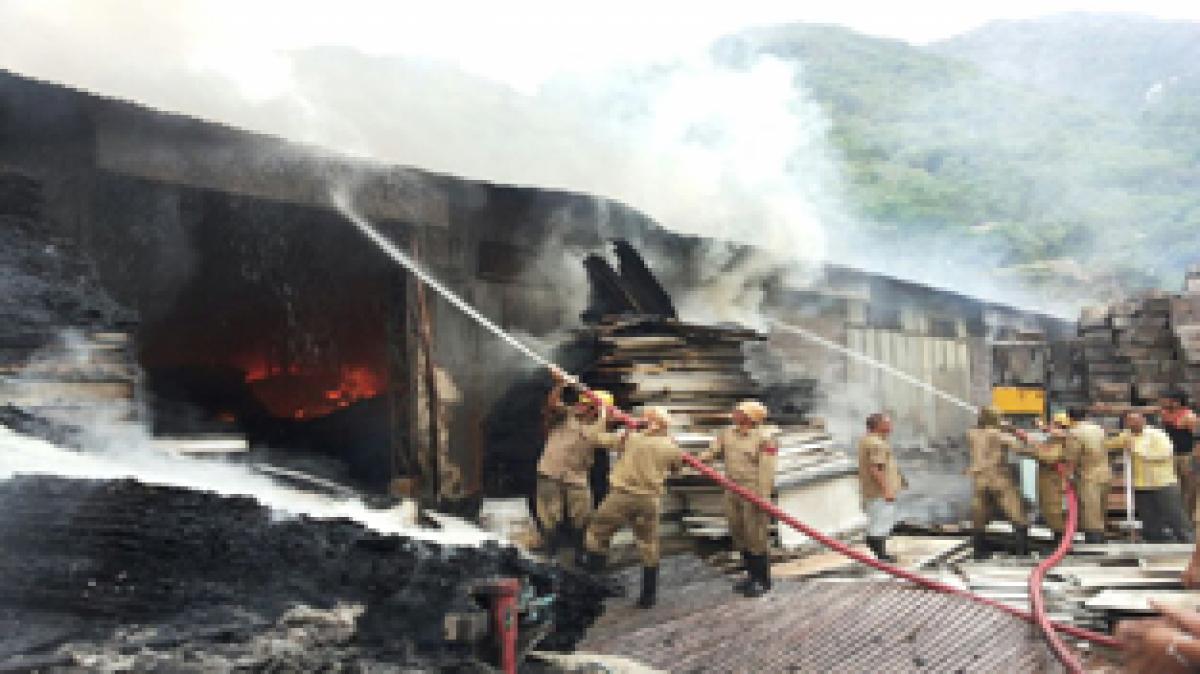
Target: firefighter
750, 452
634, 498
1093, 475
879, 481
573, 434
992, 481
1060, 448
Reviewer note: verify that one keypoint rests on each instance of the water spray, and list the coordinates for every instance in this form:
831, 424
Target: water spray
341, 202
879, 365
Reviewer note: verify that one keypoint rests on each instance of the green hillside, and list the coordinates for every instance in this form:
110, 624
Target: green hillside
1061, 187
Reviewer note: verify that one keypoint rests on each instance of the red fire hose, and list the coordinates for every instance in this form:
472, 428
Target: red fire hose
1037, 602
927, 583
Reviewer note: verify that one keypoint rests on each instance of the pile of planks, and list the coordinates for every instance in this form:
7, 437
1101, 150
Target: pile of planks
1136, 350
1185, 321
1129, 350
698, 373
1095, 586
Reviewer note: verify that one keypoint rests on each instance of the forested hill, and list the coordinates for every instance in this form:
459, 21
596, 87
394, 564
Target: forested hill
1062, 152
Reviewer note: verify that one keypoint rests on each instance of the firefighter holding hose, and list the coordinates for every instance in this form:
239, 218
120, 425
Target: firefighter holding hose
637, 482
750, 451
572, 436
1060, 448
1093, 474
992, 481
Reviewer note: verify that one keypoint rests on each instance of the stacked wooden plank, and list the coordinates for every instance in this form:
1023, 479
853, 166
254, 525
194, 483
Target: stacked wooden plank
85, 370
1185, 321
699, 373
1129, 350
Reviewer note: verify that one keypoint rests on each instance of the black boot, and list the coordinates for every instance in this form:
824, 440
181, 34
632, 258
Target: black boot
1093, 537
649, 594
979, 543
878, 546
740, 586
580, 551
593, 563
1021, 541
760, 576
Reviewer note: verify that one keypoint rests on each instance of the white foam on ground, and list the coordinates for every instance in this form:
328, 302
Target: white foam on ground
22, 454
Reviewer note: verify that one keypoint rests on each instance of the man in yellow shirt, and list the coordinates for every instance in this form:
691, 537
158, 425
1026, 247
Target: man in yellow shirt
1156, 496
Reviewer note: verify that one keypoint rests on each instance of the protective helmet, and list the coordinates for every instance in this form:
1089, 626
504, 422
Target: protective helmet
753, 409
606, 399
660, 414
1061, 419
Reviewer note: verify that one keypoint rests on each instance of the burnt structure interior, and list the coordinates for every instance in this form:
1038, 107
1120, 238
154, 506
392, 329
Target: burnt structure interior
265, 318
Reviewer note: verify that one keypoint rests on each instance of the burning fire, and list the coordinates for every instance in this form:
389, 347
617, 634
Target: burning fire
297, 392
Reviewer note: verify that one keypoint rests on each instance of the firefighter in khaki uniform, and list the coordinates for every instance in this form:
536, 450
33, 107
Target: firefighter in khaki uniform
572, 437
635, 492
1093, 475
992, 481
750, 452
879, 482
1060, 448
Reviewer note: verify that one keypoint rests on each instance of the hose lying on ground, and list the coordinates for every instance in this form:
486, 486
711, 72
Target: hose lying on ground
837, 546
1037, 602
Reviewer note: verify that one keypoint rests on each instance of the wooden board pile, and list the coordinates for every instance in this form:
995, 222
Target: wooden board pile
1136, 350
1094, 587
1129, 350
699, 373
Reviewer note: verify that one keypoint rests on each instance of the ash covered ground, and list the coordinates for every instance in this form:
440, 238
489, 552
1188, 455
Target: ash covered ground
119, 575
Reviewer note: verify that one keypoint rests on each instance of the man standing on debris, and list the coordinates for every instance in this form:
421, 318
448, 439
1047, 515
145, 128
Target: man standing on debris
879, 481
1156, 495
1093, 475
572, 436
1179, 422
992, 481
1060, 448
750, 452
634, 498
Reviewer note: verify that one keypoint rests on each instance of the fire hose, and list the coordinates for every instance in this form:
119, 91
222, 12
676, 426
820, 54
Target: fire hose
1037, 616
1037, 602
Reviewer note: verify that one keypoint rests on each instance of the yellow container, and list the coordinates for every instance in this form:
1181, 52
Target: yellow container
1012, 400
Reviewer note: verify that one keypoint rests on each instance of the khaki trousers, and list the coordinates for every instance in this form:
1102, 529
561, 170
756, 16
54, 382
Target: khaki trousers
1093, 504
620, 509
749, 526
1186, 471
558, 501
990, 498
1050, 498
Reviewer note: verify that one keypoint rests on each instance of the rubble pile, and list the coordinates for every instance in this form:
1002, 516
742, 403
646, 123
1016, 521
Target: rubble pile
118, 569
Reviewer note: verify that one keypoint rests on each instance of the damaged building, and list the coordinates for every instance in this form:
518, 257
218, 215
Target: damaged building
253, 308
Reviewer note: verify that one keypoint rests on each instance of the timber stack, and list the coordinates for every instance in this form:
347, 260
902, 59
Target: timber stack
645, 355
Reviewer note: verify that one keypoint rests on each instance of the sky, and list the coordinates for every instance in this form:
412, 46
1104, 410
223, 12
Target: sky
519, 92
519, 42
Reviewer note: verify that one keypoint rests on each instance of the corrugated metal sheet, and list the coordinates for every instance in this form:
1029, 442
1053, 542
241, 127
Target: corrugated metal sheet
836, 627
944, 363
